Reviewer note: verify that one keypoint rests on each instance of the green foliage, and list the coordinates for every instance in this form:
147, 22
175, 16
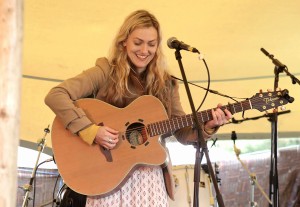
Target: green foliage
250, 146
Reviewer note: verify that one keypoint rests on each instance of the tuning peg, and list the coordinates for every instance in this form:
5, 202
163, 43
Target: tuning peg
260, 90
282, 108
285, 94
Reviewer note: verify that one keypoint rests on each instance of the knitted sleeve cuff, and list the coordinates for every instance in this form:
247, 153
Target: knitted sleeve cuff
88, 134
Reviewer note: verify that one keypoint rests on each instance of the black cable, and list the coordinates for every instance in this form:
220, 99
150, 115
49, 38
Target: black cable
53, 194
34, 180
208, 85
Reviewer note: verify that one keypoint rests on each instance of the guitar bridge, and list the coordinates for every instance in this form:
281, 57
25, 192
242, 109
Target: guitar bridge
106, 153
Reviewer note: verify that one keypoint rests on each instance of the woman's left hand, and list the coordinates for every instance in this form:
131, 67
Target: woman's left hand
219, 118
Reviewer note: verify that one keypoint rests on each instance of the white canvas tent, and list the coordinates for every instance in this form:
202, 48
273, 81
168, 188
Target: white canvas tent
62, 38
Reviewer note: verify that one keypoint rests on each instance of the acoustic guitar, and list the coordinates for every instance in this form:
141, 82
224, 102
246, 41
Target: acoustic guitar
93, 170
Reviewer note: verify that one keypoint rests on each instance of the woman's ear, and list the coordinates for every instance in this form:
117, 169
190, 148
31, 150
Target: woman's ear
124, 43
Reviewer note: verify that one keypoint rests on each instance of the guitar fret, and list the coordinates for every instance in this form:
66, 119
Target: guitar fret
155, 128
236, 107
170, 125
233, 108
250, 104
242, 106
177, 123
210, 116
191, 120
207, 115
159, 131
150, 131
200, 115
174, 124
158, 128
182, 122
163, 126
166, 126
202, 118
186, 120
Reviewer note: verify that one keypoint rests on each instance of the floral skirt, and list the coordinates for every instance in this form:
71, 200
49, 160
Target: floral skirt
145, 188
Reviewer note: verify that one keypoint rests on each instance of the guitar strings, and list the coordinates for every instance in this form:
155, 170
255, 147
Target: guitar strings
176, 121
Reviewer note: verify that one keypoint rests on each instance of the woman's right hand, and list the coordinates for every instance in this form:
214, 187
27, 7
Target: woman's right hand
107, 137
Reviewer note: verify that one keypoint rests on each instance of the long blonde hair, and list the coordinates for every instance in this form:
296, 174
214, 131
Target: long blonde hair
157, 76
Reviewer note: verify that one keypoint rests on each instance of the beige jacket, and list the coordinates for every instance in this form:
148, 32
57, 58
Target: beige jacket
93, 83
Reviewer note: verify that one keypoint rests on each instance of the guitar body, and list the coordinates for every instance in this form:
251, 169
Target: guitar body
87, 169
92, 170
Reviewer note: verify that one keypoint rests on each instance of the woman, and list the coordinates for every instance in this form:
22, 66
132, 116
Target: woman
135, 67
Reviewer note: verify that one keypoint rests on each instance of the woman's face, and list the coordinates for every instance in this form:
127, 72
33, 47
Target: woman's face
141, 46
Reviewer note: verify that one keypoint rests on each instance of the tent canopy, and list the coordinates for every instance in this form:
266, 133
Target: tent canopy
63, 38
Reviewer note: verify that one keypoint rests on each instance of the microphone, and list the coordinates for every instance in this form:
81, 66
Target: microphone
173, 43
265, 52
275, 61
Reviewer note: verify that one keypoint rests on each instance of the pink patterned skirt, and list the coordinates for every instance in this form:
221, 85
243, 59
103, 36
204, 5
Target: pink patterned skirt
145, 188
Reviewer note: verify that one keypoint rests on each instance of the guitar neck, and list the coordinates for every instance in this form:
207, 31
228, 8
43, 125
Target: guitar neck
171, 125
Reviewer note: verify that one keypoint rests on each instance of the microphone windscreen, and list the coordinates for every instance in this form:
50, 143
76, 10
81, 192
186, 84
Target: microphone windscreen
169, 42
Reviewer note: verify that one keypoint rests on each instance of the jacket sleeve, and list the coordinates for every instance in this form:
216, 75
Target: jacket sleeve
61, 98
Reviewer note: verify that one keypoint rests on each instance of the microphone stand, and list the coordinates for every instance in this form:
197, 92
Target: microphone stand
28, 187
252, 176
200, 145
273, 188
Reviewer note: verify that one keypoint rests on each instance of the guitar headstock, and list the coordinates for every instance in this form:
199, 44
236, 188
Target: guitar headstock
268, 100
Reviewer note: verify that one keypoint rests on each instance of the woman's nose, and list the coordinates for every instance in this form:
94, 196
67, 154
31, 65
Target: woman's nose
144, 48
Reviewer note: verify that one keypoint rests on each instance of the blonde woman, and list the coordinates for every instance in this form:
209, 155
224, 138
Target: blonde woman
135, 67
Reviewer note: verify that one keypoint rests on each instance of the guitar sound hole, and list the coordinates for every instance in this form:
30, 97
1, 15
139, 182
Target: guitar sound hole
136, 134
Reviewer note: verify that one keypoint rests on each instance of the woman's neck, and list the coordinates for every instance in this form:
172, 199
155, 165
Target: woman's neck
138, 71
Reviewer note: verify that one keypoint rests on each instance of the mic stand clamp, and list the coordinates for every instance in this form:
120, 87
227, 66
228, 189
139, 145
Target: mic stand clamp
280, 67
28, 187
201, 145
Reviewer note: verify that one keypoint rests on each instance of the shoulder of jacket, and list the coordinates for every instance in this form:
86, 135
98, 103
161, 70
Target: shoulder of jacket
102, 62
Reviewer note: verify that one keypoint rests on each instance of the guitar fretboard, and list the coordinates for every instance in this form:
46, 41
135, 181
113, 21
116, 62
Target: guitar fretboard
171, 125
